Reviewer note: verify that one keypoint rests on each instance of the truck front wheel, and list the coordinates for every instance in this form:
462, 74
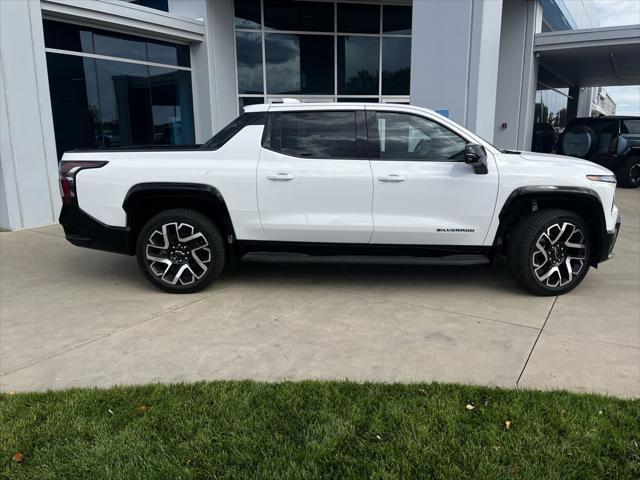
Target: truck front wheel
549, 251
180, 251
629, 174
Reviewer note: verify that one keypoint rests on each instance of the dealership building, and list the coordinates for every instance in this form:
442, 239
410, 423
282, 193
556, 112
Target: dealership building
109, 73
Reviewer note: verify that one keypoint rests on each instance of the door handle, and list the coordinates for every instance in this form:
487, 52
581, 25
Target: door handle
280, 177
394, 177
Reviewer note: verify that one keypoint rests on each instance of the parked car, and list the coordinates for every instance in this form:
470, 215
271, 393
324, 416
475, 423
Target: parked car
613, 142
341, 183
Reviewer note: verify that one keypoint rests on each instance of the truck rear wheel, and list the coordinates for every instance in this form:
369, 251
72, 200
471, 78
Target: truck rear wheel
180, 251
548, 253
629, 174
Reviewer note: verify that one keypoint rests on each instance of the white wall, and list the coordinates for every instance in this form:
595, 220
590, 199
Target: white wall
517, 74
30, 194
454, 60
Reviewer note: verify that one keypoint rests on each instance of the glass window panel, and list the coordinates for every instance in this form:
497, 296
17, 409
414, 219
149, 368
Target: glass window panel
168, 53
410, 137
631, 126
358, 65
249, 58
125, 103
298, 16
396, 19
116, 45
247, 14
396, 65
171, 106
318, 134
358, 99
74, 102
357, 18
246, 101
299, 64
65, 36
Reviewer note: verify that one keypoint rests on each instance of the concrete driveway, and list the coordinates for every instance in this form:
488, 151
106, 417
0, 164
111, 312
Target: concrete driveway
76, 317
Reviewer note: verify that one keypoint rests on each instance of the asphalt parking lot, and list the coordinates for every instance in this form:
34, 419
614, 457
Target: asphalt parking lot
77, 317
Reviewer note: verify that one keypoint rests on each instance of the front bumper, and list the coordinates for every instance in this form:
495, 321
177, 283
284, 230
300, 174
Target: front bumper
609, 241
83, 230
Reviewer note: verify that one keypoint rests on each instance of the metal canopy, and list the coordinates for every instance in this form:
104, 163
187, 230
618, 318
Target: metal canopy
589, 58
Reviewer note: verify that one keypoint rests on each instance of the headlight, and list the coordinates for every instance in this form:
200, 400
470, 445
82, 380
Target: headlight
602, 178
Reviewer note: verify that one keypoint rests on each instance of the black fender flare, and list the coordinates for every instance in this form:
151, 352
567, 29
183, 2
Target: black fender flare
209, 198
583, 200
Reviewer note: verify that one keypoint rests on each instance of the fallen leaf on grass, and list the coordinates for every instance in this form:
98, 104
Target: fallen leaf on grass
378, 437
17, 457
142, 408
470, 406
507, 424
12, 392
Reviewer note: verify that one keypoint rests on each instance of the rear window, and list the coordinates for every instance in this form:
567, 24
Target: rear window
317, 134
228, 132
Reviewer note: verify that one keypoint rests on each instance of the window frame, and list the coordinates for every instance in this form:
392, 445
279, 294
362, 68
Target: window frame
335, 33
222, 137
362, 143
373, 135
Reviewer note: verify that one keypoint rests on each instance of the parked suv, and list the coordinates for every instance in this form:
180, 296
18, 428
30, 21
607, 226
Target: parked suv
613, 142
341, 183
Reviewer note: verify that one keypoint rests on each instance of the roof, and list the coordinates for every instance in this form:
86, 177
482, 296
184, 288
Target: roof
591, 57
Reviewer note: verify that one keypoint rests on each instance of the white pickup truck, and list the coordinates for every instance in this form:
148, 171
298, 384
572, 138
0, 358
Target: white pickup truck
382, 183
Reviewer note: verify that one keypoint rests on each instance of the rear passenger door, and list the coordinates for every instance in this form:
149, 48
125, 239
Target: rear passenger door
314, 180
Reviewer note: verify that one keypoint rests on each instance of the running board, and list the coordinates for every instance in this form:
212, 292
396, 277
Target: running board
271, 257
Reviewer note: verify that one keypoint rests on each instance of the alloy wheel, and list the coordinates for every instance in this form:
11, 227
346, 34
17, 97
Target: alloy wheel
178, 253
634, 174
560, 254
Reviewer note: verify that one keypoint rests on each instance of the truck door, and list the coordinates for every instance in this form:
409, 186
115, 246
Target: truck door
314, 180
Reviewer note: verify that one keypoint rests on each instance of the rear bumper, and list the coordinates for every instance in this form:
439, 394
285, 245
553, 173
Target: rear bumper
82, 230
609, 241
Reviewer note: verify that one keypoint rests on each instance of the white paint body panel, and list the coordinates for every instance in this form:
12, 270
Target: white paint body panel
435, 196
231, 169
325, 201
340, 200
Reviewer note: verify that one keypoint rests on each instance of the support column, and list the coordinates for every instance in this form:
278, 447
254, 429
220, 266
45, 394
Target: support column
517, 74
454, 60
29, 194
221, 54
573, 102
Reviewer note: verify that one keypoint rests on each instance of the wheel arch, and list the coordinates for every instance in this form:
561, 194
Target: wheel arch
144, 200
580, 200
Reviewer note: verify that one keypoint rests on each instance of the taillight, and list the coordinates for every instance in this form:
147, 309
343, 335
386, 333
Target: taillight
68, 172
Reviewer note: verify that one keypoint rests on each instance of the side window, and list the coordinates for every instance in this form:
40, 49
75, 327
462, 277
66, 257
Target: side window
316, 134
228, 132
631, 126
402, 136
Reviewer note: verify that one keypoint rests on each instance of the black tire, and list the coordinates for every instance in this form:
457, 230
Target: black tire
190, 244
629, 174
527, 263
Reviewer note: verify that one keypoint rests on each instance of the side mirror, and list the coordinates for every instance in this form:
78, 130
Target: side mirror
476, 156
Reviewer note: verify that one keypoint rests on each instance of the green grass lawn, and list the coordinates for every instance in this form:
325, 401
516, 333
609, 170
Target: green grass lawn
317, 430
